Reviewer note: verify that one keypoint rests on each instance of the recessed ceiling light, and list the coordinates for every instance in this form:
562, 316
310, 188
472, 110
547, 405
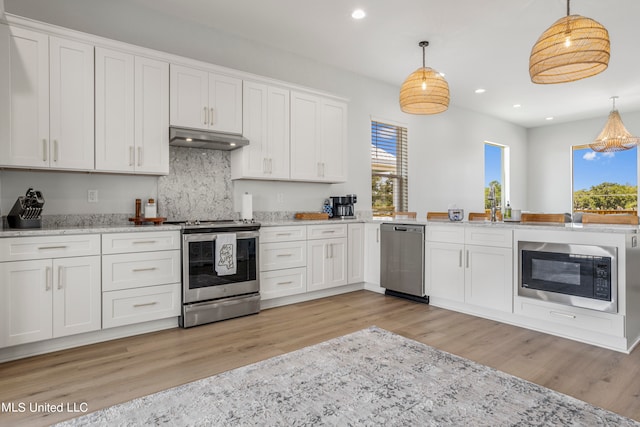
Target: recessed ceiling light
358, 14
517, 105
188, 139
481, 90
548, 118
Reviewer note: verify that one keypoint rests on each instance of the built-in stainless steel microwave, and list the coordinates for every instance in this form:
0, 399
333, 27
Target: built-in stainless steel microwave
576, 275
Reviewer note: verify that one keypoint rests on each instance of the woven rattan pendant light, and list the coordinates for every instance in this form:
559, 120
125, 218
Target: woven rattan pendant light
614, 136
573, 48
425, 91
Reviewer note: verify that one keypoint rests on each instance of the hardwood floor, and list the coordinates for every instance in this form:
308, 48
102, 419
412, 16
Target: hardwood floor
113, 372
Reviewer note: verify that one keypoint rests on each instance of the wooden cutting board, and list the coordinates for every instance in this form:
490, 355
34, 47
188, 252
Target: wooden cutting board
312, 215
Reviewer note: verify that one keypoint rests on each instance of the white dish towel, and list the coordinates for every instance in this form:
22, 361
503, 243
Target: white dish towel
225, 254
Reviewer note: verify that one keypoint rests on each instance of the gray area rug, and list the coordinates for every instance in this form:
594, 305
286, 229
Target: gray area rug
368, 378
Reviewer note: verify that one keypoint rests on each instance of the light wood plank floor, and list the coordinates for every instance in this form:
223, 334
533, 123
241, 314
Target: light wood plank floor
108, 373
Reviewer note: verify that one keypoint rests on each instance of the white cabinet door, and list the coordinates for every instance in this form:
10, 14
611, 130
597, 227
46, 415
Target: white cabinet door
225, 103
251, 160
318, 138
151, 123
355, 257
114, 111
326, 263
266, 124
71, 104
132, 113
77, 295
189, 95
305, 137
27, 142
488, 277
372, 253
333, 141
445, 271
25, 298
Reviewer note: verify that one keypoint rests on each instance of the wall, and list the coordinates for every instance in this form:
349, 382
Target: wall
446, 150
549, 158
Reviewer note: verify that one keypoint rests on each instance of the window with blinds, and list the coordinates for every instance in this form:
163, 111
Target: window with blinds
389, 171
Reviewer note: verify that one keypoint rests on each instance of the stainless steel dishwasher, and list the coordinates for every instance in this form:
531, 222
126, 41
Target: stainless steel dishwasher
402, 260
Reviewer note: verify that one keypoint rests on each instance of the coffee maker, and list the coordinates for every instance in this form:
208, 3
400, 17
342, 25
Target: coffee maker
342, 206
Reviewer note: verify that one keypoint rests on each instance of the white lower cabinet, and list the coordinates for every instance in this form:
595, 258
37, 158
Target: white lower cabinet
283, 261
476, 274
140, 277
355, 257
372, 253
48, 297
281, 283
306, 258
326, 263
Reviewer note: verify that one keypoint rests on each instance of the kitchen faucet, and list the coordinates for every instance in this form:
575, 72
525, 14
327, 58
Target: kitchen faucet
492, 199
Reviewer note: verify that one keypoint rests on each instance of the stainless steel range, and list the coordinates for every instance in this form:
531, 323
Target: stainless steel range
220, 278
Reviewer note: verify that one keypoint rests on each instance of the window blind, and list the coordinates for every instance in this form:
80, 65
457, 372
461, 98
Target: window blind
389, 168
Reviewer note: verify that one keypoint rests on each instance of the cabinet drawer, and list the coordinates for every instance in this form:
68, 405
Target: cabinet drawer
277, 256
41, 247
140, 305
446, 234
124, 271
280, 283
283, 234
605, 323
487, 236
326, 231
117, 243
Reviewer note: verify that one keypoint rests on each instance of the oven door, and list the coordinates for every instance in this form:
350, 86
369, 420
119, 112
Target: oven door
576, 275
201, 282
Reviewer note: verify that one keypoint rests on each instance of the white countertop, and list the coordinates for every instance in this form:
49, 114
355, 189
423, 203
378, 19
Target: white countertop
569, 226
58, 231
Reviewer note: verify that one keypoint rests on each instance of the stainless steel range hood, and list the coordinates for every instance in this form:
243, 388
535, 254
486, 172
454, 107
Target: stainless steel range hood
194, 138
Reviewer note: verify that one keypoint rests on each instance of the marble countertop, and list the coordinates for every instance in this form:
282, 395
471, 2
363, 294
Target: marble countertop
59, 231
284, 222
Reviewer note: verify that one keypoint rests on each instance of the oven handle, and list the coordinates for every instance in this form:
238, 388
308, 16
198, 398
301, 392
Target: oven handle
208, 237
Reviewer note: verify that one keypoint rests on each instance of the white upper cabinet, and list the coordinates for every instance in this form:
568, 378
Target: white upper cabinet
51, 103
132, 113
318, 138
266, 124
203, 100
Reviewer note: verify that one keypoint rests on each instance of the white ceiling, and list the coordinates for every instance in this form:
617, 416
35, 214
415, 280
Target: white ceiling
477, 44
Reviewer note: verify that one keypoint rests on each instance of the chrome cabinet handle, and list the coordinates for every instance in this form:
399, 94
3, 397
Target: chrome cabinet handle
285, 283
60, 277
146, 304
284, 255
212, 120
144, 269
146, 242
328, 231
40, 248
206, 116
460, 259
131, 154
568, 316
378, 235
47, 285
55, 150
467, 258
44, 150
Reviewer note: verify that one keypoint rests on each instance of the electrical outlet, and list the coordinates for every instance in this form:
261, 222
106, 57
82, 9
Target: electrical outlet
92, 196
